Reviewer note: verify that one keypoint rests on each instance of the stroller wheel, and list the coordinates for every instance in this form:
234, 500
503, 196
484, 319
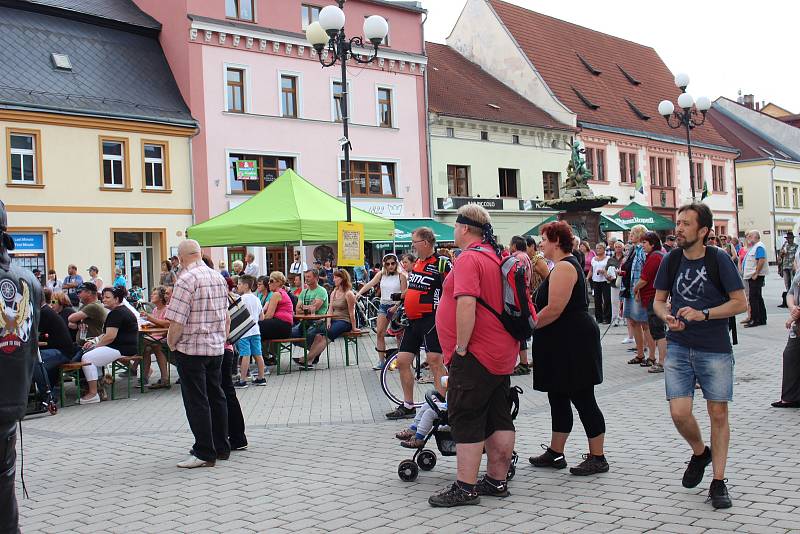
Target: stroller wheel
408, 471
426, 460
512, 470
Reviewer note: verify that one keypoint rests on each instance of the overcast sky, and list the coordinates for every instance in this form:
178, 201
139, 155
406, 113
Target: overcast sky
724, 46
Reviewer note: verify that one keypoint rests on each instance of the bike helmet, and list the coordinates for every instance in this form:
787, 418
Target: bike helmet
398, 323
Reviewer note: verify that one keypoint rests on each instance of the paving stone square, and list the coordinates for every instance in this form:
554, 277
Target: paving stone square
323, 459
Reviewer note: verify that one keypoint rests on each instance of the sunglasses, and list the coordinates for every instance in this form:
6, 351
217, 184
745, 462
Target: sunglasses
53, 302
390, 263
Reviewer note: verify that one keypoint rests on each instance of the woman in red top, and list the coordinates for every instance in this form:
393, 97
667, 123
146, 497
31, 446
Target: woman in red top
655, 334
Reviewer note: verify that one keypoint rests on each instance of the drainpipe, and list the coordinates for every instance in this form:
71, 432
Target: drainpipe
431, 200
774, 223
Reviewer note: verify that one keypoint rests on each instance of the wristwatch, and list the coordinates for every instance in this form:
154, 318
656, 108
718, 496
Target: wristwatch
461, 351
706, 314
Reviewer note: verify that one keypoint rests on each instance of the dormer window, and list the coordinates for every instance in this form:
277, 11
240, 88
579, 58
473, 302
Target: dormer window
585, 99
588, 65
628, 75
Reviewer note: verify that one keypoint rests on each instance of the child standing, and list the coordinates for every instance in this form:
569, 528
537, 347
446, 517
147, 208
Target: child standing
250, 343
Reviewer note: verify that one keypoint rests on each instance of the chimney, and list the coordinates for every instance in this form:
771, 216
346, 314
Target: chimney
749, 101
758, 106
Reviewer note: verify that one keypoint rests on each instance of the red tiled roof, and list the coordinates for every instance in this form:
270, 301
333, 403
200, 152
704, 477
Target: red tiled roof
560, 51
459, 88
750, 144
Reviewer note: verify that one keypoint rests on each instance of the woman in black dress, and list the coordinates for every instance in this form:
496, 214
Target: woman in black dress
567, 358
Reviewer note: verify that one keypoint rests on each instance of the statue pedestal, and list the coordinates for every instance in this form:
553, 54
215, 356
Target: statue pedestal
585, 224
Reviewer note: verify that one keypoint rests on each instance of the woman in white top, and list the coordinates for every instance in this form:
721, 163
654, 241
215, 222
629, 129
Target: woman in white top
600, 284
393, 282
52, 281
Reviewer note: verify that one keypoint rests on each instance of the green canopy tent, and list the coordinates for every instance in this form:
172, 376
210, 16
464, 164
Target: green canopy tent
607, 224
403, 229
289, 210
635, 213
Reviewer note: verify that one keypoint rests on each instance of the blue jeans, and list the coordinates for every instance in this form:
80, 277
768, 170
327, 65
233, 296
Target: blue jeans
712, 370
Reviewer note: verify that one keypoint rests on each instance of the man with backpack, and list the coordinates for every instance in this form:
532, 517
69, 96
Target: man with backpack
480, 353
706, 292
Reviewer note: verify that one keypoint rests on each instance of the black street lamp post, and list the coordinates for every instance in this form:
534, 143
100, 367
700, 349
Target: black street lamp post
329, 31
690, 115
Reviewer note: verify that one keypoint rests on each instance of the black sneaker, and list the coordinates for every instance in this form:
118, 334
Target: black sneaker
718, 494
550, 458
453, 496
484, 487
591, 465
240, 384
401, 412
696, 469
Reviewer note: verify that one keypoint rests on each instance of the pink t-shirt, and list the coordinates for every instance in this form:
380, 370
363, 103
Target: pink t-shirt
284, 311
159, 314
477, 274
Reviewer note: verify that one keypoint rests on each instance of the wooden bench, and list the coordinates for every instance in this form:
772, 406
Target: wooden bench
73, 370
287, 344
125, 363
351, 338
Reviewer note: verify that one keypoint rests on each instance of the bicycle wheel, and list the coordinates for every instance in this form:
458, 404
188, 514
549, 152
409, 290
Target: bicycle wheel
390, 382
372, 314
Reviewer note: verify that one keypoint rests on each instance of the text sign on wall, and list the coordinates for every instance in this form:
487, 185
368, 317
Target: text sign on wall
28, 242
351, 244
247, 169
453, 203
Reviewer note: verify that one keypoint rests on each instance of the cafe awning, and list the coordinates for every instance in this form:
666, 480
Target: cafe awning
403, 228
634, 213
607, 224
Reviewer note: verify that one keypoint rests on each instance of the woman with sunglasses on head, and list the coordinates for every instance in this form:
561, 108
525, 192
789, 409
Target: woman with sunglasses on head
153, 343
63, 307
392, 282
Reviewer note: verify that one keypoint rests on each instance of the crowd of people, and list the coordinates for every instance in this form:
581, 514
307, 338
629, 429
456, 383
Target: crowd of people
677, 298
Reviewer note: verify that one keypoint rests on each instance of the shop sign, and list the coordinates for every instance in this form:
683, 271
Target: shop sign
247, 169
386, 209
28, 242
453, 203
530, 205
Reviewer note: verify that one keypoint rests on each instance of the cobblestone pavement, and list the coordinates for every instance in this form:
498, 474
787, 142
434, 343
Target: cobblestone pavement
322, 458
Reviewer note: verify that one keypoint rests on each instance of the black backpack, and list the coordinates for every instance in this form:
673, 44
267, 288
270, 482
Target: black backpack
711, 262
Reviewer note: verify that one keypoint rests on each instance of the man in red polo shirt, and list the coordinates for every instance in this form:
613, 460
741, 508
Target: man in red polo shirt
480, 362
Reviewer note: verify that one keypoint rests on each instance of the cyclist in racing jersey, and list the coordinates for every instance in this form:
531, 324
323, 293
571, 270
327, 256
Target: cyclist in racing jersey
421, 300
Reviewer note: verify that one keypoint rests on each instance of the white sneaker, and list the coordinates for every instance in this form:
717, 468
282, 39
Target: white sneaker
91, 400
192, 461
627, 341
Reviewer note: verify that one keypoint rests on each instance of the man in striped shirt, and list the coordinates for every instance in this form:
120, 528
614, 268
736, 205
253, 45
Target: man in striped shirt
198, 327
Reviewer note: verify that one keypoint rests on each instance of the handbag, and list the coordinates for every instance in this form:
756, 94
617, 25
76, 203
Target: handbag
241, 320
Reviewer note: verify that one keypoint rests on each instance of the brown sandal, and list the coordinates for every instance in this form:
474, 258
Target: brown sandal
405, 434
636, 360
648, 363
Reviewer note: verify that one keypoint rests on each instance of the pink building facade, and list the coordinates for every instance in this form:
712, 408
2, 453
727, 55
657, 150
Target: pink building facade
259, 93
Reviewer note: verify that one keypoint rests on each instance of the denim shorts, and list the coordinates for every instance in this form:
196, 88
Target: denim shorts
712, 370
634, 310
383, 309
249, 346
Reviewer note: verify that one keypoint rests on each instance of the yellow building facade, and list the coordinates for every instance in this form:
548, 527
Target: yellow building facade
95, 191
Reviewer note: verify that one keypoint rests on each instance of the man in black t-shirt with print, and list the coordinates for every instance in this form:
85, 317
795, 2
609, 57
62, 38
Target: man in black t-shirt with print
698, 345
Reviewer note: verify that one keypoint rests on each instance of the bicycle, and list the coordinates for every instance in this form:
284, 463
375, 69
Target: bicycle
367, 312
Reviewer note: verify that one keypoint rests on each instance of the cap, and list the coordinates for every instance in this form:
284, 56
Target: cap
88, 286
93, 268
790, 234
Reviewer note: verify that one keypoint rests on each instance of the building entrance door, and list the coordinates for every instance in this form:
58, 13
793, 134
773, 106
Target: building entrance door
275, 260
132, 261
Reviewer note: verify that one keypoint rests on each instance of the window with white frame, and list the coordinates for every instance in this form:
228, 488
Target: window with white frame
385, 116
289, 96
235, 90
338, 95
23, 149
309, 14
239, 10
113, 163
154, 166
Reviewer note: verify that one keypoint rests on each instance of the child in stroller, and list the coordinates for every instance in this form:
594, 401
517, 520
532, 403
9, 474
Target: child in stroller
425, 459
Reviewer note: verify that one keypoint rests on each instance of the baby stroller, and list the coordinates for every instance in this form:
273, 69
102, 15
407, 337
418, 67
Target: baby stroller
41, 401
425, 459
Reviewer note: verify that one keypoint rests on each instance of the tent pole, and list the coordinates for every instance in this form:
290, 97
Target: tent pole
302, 261
285, 257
